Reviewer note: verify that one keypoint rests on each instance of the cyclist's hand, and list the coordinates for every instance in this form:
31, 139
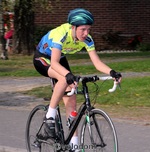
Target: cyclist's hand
116, 75
71, 80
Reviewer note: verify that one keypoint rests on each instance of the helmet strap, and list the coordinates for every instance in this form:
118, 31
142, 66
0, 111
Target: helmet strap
74, 34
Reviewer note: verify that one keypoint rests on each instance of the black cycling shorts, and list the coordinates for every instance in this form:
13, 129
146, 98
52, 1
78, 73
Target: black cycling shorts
42, 63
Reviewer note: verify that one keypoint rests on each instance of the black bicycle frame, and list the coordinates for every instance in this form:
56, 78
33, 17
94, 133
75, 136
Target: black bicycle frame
85, 106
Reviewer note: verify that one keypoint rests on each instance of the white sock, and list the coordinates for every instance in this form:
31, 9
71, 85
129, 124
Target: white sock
51, 113
74, 143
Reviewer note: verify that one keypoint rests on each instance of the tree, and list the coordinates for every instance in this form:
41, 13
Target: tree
24, 22
24, 26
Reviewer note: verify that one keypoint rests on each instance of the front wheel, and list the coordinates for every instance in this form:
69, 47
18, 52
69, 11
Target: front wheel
98, 133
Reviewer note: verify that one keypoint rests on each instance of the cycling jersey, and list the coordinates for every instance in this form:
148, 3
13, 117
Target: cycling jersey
61, 38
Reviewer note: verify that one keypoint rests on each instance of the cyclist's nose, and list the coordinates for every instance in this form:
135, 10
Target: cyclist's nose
86, 32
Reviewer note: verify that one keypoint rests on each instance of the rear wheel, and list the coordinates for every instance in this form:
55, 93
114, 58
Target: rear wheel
98, 133
36, 139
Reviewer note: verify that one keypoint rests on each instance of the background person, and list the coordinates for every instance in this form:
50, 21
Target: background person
7, 40
8, 36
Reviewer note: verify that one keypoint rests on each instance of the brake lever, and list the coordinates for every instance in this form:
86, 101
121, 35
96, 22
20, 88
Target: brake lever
118, 83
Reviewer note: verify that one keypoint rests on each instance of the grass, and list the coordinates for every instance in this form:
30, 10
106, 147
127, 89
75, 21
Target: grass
132, 101
18, 66
125, 66
111, 55
22, 66
134, 92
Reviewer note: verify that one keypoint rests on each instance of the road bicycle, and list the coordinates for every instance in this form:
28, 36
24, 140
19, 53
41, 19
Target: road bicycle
97, 131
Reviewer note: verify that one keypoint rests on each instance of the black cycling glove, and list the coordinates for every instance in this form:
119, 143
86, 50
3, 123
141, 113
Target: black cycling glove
115, 74
70, 78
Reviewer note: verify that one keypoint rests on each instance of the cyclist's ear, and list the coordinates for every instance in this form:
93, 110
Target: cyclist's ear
72, 27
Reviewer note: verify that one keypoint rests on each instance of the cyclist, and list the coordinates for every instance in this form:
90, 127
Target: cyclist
50, 61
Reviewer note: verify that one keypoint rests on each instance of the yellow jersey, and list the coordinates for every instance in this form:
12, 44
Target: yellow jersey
61, 38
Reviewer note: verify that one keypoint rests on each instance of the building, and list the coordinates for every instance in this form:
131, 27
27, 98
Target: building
128, 18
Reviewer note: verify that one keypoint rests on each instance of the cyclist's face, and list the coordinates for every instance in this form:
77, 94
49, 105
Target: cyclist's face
82, 32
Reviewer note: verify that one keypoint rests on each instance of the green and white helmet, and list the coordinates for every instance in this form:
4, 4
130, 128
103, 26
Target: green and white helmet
79, 17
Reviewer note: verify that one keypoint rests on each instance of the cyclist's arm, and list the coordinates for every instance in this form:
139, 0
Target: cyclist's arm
99, 65
55, 65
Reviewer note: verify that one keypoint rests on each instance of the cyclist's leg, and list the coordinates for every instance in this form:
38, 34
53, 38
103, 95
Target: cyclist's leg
70, 103
42, 65
58, 92
60, 88
44, 68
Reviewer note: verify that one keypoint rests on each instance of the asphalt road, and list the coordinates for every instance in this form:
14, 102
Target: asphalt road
15, 107
133, 136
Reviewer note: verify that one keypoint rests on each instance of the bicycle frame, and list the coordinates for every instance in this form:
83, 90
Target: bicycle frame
85, 106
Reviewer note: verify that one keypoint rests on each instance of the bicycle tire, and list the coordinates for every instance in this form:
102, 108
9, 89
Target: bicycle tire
34, 123
106, 130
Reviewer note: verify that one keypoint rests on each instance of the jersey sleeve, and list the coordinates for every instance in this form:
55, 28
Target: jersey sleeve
90, 46
58, 36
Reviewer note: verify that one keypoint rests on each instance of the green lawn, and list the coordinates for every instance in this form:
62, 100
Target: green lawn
22, 66
133, 97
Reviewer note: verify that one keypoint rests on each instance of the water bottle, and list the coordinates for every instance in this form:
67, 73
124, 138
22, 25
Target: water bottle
71, 118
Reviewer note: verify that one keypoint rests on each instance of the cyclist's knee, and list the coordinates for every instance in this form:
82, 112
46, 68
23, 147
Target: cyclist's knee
61, 81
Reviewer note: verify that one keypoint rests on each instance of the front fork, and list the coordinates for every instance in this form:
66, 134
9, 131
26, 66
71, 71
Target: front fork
91, 120
89, 124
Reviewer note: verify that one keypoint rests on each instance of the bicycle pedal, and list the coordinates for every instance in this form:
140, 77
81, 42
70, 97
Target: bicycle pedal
36, 144
57, 146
